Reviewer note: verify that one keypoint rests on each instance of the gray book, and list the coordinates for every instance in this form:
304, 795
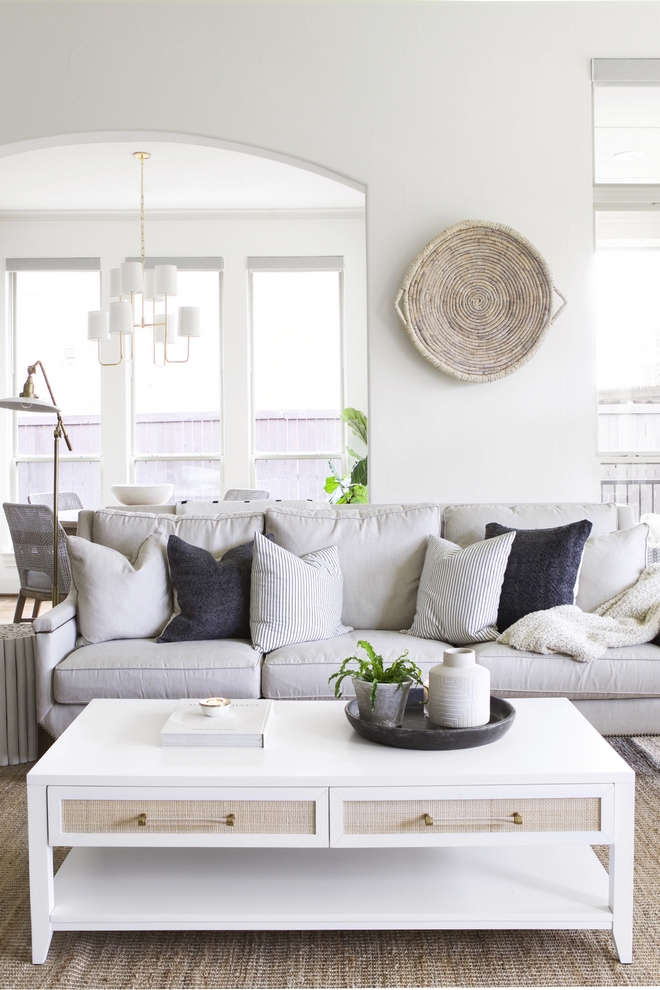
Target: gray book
243, 723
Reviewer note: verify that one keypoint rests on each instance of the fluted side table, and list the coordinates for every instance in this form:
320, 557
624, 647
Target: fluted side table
18, 708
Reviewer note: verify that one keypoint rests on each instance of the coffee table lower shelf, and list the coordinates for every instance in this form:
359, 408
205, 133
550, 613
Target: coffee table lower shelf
106, 889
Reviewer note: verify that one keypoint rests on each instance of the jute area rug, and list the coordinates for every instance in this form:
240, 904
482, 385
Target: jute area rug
334, 959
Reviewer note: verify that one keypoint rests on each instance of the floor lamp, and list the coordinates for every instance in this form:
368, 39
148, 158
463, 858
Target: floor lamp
27, 401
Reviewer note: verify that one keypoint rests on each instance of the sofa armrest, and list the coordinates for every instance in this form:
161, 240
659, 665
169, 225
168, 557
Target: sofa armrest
55, 635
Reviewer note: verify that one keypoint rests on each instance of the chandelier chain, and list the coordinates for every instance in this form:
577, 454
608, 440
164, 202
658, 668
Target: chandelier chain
142, 211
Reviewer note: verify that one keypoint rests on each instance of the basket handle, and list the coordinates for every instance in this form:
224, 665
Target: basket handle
397, 307
562, 307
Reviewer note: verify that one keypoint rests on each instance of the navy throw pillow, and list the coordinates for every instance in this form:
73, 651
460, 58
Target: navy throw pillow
212, 595
542, 570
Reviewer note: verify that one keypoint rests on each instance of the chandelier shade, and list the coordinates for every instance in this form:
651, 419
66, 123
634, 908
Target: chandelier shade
141, 299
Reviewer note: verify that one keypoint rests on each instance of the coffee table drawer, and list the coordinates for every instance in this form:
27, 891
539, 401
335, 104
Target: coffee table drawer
186, 816
434, 817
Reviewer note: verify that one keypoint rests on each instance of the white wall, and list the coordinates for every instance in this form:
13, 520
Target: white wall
445, 112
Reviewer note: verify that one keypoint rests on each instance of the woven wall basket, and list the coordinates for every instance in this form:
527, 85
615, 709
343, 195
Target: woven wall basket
478, 301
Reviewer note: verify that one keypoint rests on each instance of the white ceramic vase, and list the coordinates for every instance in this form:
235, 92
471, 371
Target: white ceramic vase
459, 691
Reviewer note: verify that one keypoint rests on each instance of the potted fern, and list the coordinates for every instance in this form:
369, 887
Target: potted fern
381, 691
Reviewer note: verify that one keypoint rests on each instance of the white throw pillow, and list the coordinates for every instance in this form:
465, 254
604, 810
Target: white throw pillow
294, 599
118, 599
459, 591
611, 563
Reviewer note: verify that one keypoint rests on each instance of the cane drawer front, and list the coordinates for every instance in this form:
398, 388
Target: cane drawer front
273, 818
429, 820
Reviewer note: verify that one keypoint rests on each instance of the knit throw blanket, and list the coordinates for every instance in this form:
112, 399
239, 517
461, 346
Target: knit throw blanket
633, 617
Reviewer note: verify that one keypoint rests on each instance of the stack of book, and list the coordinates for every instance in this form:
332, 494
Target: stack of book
243, 723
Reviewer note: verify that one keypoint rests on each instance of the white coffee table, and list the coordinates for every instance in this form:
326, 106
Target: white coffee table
310, 832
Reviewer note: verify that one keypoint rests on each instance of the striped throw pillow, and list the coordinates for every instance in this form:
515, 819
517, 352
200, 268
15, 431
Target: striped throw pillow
459, 590
294, 599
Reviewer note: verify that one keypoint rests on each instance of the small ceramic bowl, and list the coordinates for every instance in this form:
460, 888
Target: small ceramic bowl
215, 706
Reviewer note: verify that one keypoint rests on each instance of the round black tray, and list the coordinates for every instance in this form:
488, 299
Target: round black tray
418, 732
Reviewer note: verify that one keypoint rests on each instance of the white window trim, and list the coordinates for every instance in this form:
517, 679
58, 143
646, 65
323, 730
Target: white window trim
190, 265
297, 264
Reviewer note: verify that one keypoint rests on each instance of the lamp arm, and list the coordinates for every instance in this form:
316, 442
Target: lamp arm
60, 430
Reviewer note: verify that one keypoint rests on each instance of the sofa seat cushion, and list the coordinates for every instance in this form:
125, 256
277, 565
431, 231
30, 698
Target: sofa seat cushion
624, 672
302, 671
142, 668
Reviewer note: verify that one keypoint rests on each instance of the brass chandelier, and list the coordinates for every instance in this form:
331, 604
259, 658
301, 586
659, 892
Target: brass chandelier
140, 300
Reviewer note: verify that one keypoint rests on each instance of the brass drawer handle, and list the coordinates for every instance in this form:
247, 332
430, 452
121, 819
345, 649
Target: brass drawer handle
515, 818
229, 819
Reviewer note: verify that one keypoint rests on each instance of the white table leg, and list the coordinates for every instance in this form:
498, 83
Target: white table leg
41, 872
622, 869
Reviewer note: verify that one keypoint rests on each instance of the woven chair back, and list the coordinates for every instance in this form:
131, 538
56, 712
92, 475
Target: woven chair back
65, 500
245, 495
31, 528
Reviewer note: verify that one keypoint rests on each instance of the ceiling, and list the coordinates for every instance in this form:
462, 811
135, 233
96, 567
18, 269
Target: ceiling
627, 119
102, 177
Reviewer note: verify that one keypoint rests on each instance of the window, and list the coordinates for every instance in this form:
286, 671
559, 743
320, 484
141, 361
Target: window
627, 270
297, 373
177, 429
50, 301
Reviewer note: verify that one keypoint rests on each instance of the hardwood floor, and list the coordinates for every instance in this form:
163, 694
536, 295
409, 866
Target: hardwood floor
8, 606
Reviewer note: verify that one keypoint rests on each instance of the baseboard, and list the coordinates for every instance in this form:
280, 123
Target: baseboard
9, 583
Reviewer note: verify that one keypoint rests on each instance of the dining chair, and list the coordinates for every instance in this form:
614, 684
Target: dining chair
31, 528
245, 495
65, 500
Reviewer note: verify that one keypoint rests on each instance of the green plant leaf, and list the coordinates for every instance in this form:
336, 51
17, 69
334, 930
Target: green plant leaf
356, 422
373, 670
331, 485
359, 472
349, 450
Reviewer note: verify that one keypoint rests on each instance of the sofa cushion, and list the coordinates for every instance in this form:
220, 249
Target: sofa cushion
294, 599
116, 598
611, 564
460, 589
125, 531
624, 672
542, 570
381, 555
302, 671
465, 524
141, 668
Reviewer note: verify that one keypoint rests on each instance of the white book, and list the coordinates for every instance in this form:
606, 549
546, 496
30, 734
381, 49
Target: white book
243, 723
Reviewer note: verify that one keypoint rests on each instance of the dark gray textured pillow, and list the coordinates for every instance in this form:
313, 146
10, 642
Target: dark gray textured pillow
213, 595
542, 570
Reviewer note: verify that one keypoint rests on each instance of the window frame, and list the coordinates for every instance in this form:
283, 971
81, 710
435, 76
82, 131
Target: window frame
202, 264
303, 263
12, 267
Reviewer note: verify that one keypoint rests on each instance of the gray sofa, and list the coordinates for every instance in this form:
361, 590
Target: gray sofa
381, 551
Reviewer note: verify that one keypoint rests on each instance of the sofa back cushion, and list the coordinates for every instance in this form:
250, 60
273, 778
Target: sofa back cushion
611, 564
381, 555
466, 524
125, 531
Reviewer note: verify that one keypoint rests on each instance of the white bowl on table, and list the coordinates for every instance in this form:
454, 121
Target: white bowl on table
142, 494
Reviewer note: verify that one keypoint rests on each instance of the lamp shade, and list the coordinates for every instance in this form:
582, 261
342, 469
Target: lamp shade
121, 317
98, 326
190, 321
20, 404
149, 286
165, 280
130, 277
